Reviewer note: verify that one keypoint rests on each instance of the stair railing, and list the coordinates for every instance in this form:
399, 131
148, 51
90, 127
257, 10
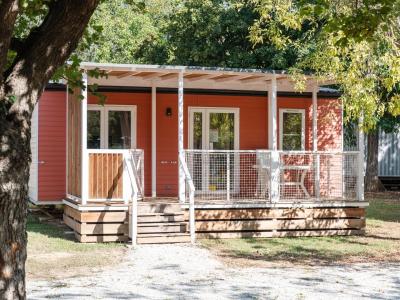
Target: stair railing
192, 189
132, 172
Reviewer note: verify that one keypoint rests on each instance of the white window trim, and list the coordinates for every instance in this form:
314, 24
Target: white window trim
104, 109
303, 125
205, 138
205, 126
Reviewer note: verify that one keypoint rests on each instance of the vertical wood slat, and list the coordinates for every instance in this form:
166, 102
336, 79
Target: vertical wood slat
74, 145
105, 176
98, 175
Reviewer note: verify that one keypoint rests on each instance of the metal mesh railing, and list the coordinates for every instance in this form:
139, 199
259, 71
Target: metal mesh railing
318, 175
245, 176
230, 175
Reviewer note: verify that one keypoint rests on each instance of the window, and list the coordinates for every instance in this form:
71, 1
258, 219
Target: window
292, 129
111, 127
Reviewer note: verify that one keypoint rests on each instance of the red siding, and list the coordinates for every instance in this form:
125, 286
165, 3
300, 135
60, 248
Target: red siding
329, 125
298, 103
167, 145
329, 122
52, 146
252, 133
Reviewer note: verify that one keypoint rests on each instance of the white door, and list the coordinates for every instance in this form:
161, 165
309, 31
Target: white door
215, 129
111, 127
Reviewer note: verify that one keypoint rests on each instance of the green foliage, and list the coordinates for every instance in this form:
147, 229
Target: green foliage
354, 43
190, 32
213, 33
124, 28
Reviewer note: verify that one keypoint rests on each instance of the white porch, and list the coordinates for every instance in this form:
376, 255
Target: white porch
210, 178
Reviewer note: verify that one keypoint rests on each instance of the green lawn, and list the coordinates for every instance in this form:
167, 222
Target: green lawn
52, 253
381, 243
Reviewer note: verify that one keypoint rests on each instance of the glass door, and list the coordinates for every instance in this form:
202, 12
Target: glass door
111, 127
216, 130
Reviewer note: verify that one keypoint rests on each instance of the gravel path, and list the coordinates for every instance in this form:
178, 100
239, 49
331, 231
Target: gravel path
188, 272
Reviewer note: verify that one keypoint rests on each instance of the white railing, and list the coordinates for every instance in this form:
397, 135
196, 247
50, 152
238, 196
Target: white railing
137, 161
273, 176
107, 174
242, 175
134, 164
191, 191
117, 174
318, 175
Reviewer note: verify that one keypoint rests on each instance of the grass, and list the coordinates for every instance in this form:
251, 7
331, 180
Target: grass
381, 243
53, 254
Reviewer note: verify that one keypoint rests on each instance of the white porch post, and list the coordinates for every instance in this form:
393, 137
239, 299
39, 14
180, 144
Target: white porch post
272, 118
315, 139
153, 141
181, 175
84, 153
315, 117
273, 140
360, 176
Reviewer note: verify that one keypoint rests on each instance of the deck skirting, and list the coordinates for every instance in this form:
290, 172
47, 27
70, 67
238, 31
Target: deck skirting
97, 226
278, 222
94, 224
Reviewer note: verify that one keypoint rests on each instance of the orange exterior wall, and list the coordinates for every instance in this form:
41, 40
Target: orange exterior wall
252, 133
329, 123
52, 146
143, 124
253, 127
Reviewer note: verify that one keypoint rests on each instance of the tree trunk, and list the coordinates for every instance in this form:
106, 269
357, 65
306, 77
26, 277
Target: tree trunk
372, 182
14, 176
41, 53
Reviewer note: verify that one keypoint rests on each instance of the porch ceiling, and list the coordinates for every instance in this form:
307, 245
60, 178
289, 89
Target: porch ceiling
194, 77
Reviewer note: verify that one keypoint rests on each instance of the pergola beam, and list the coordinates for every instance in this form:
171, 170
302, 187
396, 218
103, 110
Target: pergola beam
148, 75
126, 74
168, 76
252, 78
224, 78
198, 76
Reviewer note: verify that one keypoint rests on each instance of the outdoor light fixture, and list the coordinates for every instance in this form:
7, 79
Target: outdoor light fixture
168, 112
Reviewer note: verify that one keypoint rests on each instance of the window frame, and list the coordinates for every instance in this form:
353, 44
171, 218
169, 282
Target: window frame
205, 124
104, 110
303, 127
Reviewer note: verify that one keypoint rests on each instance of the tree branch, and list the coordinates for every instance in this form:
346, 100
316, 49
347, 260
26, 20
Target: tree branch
8, 14
48, 47
16, 44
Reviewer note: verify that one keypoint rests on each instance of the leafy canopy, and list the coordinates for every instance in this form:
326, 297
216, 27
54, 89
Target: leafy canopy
354, 43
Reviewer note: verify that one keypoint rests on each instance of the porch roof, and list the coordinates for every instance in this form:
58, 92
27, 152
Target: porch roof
166, 76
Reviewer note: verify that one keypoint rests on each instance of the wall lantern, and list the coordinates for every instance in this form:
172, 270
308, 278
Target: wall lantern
168, 112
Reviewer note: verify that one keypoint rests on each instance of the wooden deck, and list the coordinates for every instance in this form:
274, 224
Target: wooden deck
164, 220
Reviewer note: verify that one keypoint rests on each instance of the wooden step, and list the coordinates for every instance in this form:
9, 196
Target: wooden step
146, 208
161, 227
161, 217
163, 238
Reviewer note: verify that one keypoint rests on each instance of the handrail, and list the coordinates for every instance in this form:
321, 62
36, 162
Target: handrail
134, 210
135, 168
268, 151
192, 190
273, 175
111, 151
